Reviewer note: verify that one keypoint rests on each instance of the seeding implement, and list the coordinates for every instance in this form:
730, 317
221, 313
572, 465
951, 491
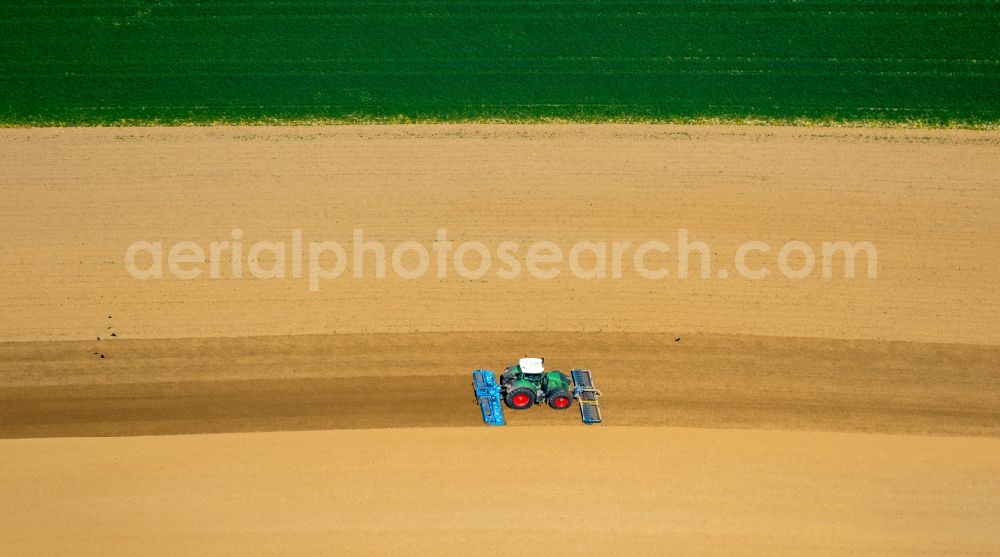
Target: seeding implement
526, 383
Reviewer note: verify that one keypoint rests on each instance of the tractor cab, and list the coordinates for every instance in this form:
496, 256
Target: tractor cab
532, 366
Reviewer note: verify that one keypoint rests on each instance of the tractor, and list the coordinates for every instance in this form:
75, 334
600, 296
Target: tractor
527, 383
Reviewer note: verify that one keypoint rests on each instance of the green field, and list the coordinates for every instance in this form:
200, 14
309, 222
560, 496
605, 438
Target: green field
882, 62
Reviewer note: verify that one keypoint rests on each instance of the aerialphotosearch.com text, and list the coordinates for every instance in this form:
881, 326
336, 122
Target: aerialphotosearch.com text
362, 257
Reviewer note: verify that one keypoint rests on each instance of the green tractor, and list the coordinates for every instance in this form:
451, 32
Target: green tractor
527, 383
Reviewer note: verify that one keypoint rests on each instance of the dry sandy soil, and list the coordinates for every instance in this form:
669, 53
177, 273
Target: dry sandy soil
75, 199
778, 416
478, 491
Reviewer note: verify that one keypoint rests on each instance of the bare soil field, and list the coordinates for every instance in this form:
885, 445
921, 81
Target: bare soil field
612, 491
167, 386
774, 416
75, 199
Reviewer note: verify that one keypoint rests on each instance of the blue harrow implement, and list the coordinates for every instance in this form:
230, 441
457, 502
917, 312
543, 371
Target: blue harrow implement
586, 393
488, 395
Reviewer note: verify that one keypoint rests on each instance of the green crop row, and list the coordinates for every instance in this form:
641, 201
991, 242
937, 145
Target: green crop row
881, 62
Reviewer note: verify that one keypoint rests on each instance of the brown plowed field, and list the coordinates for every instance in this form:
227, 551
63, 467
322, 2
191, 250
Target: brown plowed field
75, 199
744, 417
146, 387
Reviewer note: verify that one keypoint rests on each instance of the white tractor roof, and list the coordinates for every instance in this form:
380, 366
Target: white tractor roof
532, 366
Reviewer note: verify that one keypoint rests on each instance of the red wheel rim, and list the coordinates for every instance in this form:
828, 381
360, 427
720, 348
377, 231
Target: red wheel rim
560, 402
520, 399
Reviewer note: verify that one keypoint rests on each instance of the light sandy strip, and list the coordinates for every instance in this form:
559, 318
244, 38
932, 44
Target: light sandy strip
477, 491
74, 199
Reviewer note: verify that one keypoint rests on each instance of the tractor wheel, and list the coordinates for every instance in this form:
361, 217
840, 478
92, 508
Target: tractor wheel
560, 400
520, 399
